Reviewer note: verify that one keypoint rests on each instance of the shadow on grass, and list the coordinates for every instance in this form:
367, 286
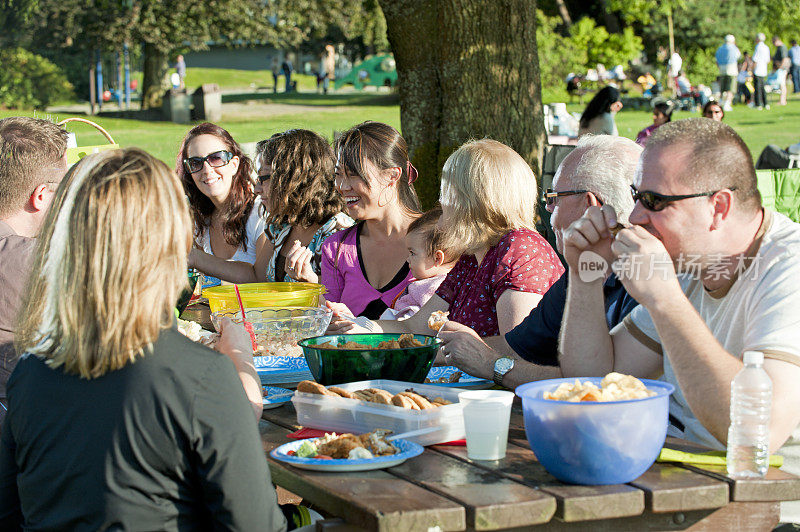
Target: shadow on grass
313, 99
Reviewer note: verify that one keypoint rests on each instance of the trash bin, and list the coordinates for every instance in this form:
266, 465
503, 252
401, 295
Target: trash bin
207, 101
176, 106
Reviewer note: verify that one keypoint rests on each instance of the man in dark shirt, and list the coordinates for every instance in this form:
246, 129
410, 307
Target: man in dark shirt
32, 152
599, 171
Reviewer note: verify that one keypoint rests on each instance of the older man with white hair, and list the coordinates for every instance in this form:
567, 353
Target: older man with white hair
727, 57
599, 171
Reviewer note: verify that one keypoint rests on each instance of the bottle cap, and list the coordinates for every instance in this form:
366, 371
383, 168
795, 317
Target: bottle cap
753, 357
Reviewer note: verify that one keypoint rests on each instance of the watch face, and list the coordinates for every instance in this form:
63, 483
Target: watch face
503, 365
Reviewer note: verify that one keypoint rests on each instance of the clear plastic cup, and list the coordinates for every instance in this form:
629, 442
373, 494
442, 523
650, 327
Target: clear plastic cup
486, 415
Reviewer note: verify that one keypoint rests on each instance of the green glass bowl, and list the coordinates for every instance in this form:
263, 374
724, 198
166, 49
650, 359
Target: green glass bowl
337, 366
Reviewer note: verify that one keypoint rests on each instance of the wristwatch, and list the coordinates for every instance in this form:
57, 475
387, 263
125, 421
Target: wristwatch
502, 366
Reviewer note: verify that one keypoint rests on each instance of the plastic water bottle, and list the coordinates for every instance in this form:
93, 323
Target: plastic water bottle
748, 435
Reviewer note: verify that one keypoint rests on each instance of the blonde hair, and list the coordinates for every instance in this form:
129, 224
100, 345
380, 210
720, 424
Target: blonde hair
490, 190
109, 265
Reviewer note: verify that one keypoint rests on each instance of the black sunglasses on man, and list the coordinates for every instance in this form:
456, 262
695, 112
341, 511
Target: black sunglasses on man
653, 201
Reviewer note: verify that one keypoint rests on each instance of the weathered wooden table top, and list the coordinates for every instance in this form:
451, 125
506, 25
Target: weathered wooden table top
444, 488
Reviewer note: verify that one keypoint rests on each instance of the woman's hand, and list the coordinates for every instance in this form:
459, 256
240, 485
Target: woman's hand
298, 263
234, 342
343, 322
340, 310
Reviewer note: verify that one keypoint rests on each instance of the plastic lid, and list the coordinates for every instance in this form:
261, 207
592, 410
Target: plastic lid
753, 357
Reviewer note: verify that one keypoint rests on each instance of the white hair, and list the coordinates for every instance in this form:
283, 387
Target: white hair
761, 37
730, 38
606, 168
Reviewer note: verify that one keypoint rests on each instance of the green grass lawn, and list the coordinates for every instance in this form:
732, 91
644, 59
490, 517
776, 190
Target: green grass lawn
337, 112
228, 79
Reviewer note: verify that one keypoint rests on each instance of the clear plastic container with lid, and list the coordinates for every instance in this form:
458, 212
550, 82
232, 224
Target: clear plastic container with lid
748, 435
340, 414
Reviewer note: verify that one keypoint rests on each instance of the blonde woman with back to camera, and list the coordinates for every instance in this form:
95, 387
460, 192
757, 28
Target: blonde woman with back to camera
488, 197
116, 420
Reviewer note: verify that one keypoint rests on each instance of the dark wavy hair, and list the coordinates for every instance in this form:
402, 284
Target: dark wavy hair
301, 189
601, 103
237, 209
383, 146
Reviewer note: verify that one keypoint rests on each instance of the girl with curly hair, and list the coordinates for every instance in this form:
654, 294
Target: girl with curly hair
296, 184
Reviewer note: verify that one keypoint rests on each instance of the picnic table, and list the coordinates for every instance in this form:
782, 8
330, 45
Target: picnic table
443, 488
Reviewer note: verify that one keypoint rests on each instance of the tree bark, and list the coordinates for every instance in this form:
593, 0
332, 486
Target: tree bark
154, 82
466, 69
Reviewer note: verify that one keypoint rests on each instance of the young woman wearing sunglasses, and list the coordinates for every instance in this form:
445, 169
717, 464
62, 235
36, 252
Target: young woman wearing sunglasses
228, 227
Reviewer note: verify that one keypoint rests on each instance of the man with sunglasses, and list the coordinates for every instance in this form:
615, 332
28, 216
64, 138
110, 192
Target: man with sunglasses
598, 171
715, 275
33, 158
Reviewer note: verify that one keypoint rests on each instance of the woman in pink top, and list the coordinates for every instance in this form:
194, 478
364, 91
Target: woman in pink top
364, 267
488, 199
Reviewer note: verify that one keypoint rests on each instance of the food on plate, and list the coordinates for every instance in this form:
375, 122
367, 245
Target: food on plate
408, 399
404, 341
437, 319
451, 379
348, 446
614, 387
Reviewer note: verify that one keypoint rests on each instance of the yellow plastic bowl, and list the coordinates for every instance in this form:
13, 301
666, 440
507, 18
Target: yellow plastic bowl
264, 295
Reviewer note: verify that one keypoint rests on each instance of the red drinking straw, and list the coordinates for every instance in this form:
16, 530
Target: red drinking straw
247, 325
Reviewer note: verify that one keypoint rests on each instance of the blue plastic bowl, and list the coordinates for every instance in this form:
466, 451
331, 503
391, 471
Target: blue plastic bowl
595, 443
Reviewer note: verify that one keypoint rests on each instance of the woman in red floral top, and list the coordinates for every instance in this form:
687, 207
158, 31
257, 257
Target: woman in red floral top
488, 199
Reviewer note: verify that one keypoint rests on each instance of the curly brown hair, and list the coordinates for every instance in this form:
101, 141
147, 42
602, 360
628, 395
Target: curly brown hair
240, 201
301, 188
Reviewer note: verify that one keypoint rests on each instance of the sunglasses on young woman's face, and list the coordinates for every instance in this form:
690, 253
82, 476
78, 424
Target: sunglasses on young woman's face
653, 201
215, 160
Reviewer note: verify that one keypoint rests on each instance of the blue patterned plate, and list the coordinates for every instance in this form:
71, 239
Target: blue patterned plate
275, 397
284, 363
466, 380
407, 449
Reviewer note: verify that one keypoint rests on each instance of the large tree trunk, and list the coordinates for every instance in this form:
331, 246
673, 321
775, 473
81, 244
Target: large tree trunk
154, 82
466, 69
